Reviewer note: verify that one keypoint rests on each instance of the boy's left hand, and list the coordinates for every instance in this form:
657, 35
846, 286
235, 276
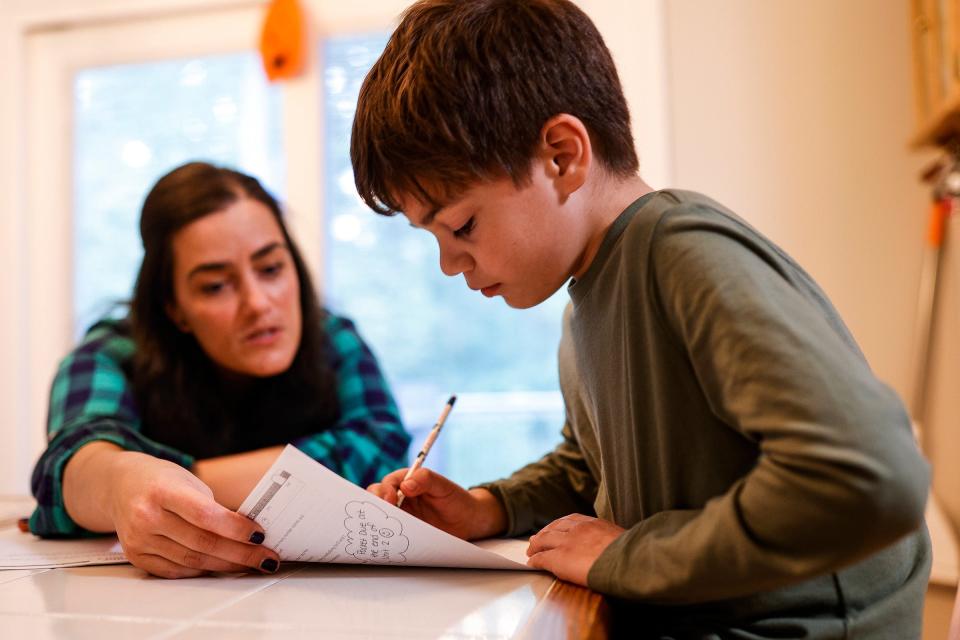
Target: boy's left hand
568, 546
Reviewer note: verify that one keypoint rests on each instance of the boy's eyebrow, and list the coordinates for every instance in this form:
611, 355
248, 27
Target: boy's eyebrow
427, 219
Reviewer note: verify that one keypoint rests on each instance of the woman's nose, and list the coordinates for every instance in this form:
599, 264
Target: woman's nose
254, 297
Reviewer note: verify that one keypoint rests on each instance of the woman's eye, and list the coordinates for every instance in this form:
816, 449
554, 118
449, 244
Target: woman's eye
465, 230
272, 269
211, 288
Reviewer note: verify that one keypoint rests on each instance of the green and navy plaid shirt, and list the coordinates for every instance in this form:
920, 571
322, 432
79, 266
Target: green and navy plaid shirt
92, 399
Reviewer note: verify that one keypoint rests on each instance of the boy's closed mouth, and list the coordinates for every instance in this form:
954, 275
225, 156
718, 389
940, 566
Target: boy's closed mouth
491, 290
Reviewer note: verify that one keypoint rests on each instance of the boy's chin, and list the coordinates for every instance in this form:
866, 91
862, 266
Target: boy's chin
524, 302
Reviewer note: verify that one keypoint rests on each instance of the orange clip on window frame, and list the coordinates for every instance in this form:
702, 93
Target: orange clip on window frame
282, 40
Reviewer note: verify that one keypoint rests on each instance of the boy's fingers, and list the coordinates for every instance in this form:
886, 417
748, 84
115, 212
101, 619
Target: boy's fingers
394, 478
540, 561
383, 491
411, 488
427, 482
205, 513
566, 522
544, 541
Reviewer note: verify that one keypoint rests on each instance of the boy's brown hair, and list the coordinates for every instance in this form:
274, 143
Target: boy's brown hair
463, 89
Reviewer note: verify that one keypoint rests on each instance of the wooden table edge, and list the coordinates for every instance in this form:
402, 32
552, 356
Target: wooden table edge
568, 611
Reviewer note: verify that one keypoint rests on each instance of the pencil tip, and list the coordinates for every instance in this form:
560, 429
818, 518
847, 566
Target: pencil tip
452, 399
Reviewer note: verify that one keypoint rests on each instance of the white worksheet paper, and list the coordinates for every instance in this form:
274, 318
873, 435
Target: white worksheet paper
20, 550
310, 514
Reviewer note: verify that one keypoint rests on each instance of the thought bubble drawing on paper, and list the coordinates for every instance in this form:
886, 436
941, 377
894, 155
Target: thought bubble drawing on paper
372, 535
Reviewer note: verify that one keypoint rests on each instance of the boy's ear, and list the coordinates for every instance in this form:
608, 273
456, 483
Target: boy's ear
176, 316
565, 143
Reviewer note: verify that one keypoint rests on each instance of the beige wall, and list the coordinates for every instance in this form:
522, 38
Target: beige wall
797, 114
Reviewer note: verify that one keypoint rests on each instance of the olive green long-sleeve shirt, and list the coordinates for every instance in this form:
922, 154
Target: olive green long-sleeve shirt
720, 411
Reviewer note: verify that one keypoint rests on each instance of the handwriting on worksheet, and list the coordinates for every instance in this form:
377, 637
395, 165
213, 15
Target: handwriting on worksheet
372, 535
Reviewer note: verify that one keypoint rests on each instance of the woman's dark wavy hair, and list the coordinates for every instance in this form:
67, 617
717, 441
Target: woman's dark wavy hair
183, 399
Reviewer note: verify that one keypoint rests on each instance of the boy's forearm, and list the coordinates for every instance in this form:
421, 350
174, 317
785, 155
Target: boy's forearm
233, 477
87, 480
491, 516
554, 486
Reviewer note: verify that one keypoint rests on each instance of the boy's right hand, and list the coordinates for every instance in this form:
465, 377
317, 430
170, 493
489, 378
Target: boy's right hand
470, 515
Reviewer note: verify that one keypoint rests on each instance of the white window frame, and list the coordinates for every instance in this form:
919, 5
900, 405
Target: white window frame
44, 41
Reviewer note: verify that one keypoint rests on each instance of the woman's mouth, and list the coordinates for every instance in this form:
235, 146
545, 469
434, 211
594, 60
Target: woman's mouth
264, 336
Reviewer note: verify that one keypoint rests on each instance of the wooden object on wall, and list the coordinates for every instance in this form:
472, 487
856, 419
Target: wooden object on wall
936, 54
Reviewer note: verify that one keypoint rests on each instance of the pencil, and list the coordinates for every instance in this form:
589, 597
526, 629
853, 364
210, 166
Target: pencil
425, 449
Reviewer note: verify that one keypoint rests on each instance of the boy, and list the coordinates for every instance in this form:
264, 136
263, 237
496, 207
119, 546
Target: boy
742, 467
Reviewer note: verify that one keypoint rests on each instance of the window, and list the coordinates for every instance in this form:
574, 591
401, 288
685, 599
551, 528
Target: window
432, 334
133, 123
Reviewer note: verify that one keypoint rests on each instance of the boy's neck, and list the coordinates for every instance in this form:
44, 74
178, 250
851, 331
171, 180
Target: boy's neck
612, 196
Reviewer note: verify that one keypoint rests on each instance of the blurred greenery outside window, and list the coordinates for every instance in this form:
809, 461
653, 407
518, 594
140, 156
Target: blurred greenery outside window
432, 335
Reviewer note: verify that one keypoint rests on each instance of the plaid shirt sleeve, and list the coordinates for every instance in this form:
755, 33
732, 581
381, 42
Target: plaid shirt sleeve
368, 440
91, 399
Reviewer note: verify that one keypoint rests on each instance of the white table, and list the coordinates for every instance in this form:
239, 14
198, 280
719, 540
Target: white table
299, 601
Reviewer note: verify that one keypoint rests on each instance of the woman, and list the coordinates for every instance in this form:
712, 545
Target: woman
161, 424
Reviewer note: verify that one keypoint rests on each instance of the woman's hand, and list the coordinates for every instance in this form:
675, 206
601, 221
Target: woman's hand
233, 477
166, 518
444, 504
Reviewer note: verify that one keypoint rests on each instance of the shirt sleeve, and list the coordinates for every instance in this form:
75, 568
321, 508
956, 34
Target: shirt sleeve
368, 440
91, 399
839, 475
558, 484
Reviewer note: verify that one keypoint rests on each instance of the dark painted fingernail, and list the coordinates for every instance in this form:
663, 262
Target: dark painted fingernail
269, 565
256, 537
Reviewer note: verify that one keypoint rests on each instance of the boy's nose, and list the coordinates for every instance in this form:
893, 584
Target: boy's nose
454, 262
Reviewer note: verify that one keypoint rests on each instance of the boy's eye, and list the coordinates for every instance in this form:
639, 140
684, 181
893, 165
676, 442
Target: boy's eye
465, 230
